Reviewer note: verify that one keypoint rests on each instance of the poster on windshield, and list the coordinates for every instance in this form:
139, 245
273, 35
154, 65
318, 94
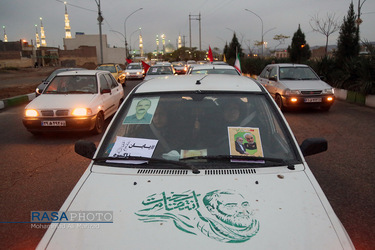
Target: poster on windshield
245, 141
128, 146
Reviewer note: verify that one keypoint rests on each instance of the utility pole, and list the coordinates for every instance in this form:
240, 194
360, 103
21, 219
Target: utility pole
194, 17
100, 20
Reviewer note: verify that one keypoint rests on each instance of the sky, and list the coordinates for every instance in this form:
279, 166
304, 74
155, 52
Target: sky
219, 20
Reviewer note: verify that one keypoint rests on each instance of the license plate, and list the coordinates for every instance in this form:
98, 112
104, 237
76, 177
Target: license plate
54, 123
313, 99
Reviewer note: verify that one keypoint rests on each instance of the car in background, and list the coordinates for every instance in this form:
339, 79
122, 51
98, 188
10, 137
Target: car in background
180, 67
115, 69
45, 82
173, 165
134, 71
219, 63
74, 101
296, 85
213, 69
160, 70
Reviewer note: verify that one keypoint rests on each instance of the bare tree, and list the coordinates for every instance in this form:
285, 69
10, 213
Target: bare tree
281, 39
359, 20
325, 26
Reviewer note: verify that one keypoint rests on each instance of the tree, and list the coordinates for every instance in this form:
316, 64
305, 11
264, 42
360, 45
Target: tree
233, 48
299, 50
325, 27
280, 38
348, 40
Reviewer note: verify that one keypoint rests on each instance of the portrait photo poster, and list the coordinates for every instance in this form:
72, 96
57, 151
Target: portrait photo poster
248, 148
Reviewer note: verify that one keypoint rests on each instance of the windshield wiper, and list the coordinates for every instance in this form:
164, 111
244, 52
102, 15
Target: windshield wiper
154, 160
253, 159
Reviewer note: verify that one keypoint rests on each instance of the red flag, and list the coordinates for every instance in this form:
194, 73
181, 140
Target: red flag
128, 60
237, 63
210, 54
145, 66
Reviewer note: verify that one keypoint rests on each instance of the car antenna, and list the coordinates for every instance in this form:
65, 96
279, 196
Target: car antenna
198, 82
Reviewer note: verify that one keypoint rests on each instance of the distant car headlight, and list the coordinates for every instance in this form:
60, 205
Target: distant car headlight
81, 111
31, 113
127, 73
328, 91
292, 92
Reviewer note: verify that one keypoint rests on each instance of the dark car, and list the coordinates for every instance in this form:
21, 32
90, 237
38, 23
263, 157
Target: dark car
45, 82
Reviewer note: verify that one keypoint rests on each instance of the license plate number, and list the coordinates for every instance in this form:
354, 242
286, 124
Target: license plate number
53, 123
313, 99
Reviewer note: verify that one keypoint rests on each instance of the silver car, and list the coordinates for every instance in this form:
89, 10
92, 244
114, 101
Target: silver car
296, 85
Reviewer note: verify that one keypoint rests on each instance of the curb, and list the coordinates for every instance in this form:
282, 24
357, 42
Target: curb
354, 97
17, 100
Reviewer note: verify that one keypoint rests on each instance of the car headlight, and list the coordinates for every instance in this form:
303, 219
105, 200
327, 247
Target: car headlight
81, 111
292, 92
328, 91
31, 113
127, 73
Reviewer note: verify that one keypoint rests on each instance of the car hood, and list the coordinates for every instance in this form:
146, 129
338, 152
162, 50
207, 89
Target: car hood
58, 101
133, 70
306, 85
171, 209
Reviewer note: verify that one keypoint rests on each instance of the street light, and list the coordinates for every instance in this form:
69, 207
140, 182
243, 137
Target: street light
262, 26
130, 39
126, 43
100, 20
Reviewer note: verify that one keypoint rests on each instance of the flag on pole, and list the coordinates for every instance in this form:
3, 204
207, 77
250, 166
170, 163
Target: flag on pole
146, 66
210, 56
237, 63
128, 60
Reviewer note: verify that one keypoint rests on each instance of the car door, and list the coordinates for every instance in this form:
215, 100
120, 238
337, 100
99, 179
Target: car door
272, 81
108, 102
116, 90
263, 78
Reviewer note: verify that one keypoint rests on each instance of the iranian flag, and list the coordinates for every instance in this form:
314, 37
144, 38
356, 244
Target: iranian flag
237, 63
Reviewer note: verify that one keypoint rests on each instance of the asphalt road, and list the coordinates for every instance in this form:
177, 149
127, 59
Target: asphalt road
38, 173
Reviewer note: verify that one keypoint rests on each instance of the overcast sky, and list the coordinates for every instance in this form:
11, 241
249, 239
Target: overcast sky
219, 19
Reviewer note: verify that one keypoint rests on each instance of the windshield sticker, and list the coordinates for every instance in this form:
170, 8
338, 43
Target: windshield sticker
245, 141
222, 215
193, 153
141, 110
127, 146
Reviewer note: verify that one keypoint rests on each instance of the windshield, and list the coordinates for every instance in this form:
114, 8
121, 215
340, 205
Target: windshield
72, 85
215, 71
134, 66
109, 68
181, 126
160, 70
297, 73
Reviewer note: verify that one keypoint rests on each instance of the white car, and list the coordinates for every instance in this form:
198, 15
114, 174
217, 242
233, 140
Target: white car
172, 171
213, 69
296, 85
160, 70
74, 101
134, 71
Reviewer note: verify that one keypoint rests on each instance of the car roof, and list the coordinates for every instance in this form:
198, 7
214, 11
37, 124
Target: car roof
230, 83
289, 65
81, 72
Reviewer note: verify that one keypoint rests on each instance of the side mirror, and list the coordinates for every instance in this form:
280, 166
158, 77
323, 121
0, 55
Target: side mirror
85, 148
105, 91
273, 78
313, 146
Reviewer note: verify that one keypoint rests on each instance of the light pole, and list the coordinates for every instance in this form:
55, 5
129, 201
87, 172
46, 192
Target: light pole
262, 26
126, 43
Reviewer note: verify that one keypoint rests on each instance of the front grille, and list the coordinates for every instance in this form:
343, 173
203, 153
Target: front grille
311, 92
62, 112
47, 113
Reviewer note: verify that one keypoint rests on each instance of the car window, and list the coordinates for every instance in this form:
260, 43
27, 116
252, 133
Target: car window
111, 81
103, 83
265, 73
160, 70
273, 73
209, 125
